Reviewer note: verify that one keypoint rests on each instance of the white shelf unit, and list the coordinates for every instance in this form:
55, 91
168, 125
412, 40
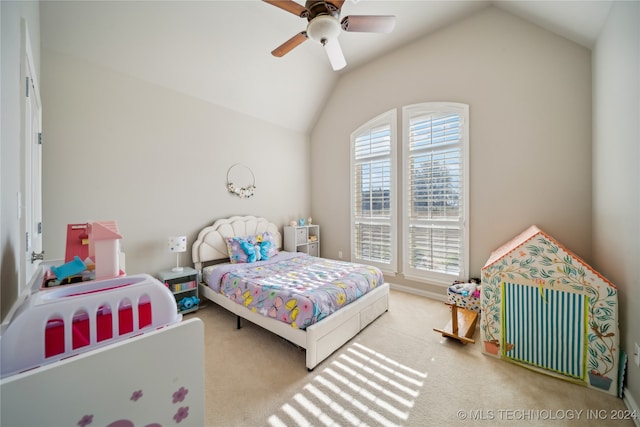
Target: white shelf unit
303, 238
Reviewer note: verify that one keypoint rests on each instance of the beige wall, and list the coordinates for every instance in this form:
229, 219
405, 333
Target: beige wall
616, 176
13, 14
120, 148
529, 93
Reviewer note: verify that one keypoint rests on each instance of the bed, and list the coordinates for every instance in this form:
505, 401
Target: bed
320, 334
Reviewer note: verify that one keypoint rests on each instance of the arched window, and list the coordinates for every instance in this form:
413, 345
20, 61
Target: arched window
435, 186
54, 336
373, 193
144, 311
80, 329
429, 179
125, 317
104, 322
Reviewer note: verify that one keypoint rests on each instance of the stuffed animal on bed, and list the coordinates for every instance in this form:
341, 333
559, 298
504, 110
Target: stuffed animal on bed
250, 250
264, 250
257, 252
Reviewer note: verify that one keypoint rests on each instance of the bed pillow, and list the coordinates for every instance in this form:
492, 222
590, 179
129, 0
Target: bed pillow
252, 248
234, 246
269, 250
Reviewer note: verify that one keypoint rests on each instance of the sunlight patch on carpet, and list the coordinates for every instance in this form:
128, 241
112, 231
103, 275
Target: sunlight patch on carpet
359, 387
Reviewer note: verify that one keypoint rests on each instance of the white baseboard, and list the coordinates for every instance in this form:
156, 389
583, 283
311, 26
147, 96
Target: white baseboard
631, 405
414, 291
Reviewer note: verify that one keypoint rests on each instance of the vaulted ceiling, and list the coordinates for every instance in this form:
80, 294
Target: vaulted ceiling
219, 51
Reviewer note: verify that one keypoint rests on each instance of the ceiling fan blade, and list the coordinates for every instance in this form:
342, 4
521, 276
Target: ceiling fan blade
369, 23
287, 46
334, 52
290, 6
337, 3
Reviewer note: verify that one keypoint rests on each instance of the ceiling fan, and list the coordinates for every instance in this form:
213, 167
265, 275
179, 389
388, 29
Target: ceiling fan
324, 26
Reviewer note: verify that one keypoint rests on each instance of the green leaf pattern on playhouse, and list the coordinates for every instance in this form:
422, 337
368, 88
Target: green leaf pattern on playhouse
545, 263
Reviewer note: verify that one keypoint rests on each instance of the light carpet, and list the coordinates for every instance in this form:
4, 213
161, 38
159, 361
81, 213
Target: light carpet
396, 372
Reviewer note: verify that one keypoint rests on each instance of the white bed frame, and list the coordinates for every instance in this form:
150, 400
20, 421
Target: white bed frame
319, 340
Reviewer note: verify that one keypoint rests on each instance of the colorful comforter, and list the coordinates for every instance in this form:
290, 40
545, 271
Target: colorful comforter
292, 287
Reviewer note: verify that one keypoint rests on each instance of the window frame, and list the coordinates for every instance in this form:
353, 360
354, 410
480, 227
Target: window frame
387, 118
409, 112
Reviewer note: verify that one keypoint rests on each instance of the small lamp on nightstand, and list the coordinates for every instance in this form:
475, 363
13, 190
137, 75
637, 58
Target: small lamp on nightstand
177, 244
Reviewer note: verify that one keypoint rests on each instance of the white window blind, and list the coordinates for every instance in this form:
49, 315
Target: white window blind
435, 192
373, 192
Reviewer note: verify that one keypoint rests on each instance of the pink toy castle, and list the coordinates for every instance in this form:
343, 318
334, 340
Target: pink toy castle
104, 248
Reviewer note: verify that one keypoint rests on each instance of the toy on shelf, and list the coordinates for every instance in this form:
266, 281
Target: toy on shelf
92, 253
71, 268
104, 246
187, 303
77, 242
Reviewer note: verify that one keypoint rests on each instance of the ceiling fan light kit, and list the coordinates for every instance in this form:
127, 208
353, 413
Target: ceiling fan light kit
324, 26
325, 30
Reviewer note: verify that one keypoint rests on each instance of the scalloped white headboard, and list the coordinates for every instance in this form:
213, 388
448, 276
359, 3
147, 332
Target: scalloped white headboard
211, 244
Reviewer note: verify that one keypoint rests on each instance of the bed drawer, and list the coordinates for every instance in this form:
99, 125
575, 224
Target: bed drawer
372, 312
343, 333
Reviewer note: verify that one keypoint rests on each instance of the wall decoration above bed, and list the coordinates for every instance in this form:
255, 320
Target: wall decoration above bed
239, 171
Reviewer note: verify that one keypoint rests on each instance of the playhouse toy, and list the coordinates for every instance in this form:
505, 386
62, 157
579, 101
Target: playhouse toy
104, 247
545, 308
77, 242
96, 245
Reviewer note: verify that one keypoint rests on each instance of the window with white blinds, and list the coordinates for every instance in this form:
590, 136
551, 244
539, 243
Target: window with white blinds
373, 192
429, 180
435, 192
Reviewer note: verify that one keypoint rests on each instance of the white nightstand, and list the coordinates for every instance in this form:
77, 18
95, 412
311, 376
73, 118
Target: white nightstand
184, 286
